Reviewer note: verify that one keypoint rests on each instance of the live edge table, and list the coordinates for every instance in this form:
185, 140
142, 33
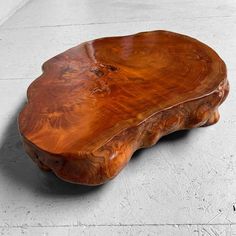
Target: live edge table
97, 103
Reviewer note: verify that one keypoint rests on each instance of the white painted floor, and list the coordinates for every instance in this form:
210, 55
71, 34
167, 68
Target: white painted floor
185, 185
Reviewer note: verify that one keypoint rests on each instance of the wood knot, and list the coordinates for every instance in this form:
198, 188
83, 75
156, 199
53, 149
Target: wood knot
102, 69
111, 68
97, 71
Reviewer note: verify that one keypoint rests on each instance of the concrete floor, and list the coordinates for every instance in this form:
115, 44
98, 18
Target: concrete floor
185, 185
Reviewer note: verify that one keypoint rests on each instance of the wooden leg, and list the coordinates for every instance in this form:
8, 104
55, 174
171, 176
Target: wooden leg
213, 118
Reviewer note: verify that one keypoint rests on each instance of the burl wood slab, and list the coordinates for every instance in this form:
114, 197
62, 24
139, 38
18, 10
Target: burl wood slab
96, 103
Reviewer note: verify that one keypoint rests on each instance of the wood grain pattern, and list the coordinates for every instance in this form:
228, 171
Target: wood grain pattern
97, 103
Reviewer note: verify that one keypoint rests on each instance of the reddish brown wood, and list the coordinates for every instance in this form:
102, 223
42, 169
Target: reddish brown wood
96, 103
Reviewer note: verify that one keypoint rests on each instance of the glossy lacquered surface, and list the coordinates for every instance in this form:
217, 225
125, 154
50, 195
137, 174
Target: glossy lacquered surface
97, 103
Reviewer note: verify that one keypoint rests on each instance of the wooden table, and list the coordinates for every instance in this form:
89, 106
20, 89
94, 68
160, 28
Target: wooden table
97, 103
